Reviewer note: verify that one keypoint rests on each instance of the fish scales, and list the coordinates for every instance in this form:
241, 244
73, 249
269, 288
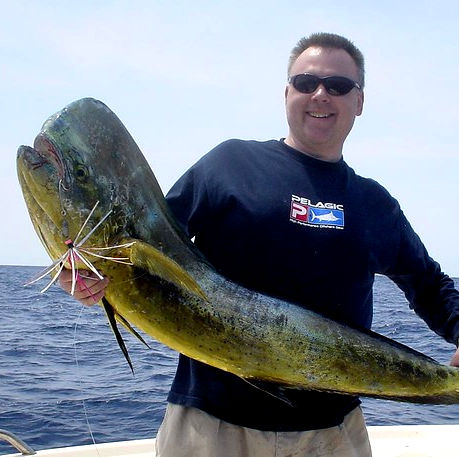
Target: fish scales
85, 155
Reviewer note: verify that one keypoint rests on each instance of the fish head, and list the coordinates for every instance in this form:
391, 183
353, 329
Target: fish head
78, 162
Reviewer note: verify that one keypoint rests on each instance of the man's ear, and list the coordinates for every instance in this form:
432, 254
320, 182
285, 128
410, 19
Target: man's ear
360, 103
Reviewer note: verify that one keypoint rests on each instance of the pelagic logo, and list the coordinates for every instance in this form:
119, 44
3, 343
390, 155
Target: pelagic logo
319, 214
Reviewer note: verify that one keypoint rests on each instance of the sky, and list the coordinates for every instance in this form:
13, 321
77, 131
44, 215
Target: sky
184, 76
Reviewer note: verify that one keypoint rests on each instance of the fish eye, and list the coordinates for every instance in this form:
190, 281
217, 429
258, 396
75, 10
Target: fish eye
81, 172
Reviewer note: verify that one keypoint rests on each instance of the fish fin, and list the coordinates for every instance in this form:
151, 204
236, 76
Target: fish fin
272, 389
111, 316
145, 256
130, 329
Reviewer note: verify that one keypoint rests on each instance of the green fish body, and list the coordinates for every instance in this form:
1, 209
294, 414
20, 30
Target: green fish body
85, 155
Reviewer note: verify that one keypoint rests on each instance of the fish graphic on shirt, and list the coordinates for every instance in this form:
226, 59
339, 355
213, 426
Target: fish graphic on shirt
326, 218
329, 217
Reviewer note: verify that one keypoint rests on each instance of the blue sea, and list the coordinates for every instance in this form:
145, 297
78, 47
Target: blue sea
65, 382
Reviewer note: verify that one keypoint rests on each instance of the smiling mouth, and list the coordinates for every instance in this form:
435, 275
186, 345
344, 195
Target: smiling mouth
320, 115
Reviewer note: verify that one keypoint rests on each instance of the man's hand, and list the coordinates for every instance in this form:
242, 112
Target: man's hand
455, 359
91, 292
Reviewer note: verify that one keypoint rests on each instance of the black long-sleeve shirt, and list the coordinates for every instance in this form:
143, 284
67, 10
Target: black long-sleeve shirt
310, 232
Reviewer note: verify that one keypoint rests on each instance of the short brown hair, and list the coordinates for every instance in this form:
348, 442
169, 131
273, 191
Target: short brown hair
333, 41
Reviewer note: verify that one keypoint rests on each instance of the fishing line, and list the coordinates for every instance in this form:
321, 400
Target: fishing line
80, 381
71, 256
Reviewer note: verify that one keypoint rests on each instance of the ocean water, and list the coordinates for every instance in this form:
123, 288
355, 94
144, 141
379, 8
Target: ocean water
64, 381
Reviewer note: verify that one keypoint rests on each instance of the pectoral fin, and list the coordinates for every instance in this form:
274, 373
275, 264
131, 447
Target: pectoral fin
145, 256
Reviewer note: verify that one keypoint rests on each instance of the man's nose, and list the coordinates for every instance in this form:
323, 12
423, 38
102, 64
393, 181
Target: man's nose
321, 94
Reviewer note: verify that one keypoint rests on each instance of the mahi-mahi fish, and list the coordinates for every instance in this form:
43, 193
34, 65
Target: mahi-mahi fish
89, 189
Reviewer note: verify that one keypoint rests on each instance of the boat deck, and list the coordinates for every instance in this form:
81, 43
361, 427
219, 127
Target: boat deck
386, 441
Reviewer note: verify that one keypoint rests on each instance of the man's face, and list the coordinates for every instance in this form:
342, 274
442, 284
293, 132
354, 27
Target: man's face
319, 122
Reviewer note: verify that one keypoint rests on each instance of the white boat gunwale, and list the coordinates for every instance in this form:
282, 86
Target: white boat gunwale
386, 441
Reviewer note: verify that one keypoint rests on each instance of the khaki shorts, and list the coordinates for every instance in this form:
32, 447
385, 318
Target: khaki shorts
189, 432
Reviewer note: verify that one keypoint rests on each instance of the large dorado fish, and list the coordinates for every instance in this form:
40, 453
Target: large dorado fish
93, 198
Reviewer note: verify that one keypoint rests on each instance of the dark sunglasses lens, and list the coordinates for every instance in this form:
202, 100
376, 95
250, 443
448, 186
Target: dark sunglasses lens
306, 84
338, 85
335, 85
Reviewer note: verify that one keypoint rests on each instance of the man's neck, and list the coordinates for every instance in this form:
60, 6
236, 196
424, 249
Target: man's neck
326, 156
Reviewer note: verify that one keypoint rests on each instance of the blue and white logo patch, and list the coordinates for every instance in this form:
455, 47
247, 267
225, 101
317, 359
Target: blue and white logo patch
319, 214
326, 216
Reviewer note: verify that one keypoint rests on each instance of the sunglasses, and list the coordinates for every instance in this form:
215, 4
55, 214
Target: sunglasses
334, 85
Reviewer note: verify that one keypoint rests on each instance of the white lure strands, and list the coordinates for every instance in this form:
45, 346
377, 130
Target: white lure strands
124, 260
75, 252
59, 263
93, 230
86, 221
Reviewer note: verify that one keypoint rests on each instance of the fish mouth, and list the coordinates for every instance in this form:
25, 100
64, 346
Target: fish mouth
31, 158
40, 171
47, 150
44, 153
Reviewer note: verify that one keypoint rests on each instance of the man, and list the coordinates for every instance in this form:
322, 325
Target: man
289, 218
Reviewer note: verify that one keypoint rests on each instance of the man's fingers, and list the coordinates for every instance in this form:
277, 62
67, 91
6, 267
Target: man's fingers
455, 359
91, 299
86, 287
89, 288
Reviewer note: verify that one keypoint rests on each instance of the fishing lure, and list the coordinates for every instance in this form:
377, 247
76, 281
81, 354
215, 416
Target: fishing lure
76, 251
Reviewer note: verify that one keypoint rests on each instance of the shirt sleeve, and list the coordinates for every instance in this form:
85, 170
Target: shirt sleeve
429, 291
188, 200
